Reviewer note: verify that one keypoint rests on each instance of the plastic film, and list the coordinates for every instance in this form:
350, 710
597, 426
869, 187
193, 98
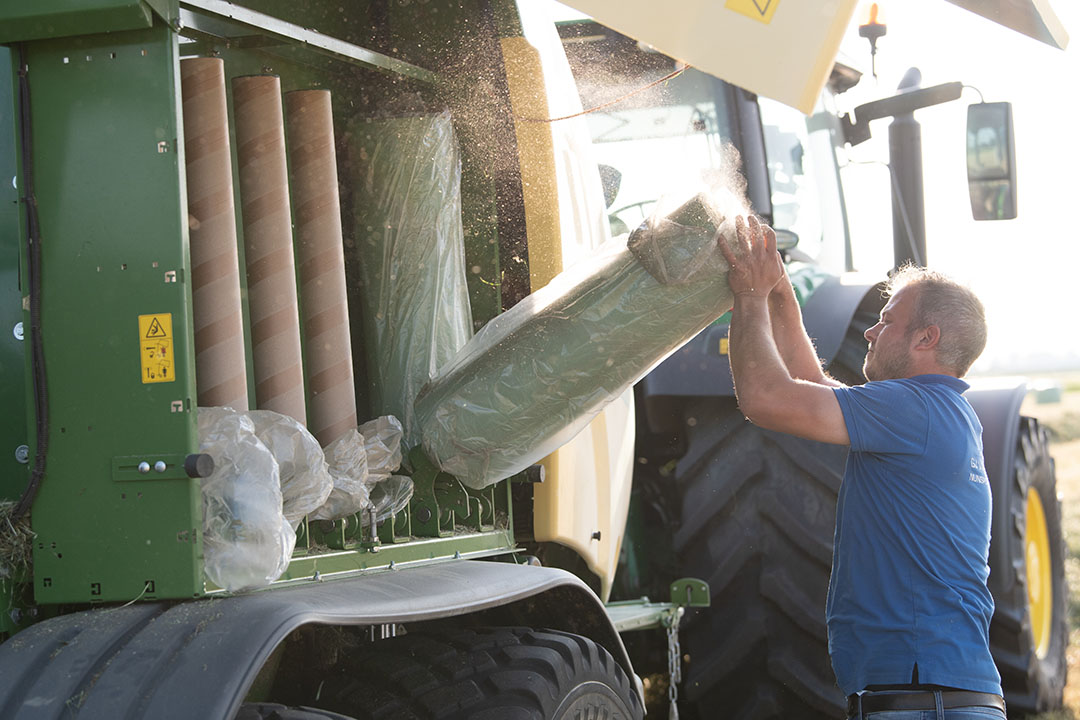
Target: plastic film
220, 367
320, 255
304, 476
268, 245
409, 248
247, 541
346, 458
533, 377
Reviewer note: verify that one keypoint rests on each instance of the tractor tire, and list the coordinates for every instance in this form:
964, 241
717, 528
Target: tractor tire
758, 515
485, 674
1029, 630
274, 711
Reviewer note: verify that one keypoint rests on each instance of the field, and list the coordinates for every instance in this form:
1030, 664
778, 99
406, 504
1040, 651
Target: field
1063, 420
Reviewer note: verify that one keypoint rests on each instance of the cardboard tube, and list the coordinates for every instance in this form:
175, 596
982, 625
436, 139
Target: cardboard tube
268, 248
319, 249
220, 367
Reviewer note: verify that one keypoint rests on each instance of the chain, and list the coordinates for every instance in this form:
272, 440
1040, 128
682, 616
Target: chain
674, 657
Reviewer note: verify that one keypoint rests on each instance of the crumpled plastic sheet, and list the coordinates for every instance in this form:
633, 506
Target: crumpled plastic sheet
410, 250
382, 441
359, 461
534, 376
305, 478
390, 496
346, 458
247, 542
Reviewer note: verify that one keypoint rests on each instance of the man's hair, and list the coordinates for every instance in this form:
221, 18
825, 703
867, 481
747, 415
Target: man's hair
955, 309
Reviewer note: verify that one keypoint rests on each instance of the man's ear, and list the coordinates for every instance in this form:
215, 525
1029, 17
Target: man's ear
927, 338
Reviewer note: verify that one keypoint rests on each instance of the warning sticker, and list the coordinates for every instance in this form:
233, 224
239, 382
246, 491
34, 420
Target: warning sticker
756, 9
156, 348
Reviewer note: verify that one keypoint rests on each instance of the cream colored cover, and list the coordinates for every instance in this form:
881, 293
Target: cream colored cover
782, 49
585, 499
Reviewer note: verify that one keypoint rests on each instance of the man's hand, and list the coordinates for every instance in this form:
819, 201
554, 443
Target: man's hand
755, 266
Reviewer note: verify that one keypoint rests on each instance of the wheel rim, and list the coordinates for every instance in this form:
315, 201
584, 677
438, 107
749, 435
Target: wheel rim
1039, 587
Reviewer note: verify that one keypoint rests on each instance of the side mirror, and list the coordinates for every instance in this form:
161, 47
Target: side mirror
991, 161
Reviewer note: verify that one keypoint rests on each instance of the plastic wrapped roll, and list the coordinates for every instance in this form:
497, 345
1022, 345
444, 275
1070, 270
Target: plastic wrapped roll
409, 247
220, 367
268, 245
320, 255
534, 376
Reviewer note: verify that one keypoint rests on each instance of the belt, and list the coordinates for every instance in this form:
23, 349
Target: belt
950, 699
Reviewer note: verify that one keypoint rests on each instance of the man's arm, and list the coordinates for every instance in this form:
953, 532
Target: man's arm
766, 391
789, 333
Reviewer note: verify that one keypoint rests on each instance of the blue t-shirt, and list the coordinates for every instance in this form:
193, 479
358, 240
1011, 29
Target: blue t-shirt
908, 585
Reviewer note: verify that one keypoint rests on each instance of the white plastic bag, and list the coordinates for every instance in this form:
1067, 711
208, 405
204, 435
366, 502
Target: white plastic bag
305, 478
382, 440
247, 542
390, 496
346, 459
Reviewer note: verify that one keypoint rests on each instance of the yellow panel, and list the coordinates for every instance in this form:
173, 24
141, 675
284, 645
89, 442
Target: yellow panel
584, 500
585, 496
156, 348
528, 99
782, 50
760, 10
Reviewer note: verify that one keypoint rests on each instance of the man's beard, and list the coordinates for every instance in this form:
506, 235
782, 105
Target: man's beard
886, 368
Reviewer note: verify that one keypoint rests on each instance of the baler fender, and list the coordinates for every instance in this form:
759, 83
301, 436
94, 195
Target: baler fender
199, 659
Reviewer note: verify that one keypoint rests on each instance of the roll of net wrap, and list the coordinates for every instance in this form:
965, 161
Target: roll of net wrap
320, 255
409, 248
220, 367
534, 376
268, 245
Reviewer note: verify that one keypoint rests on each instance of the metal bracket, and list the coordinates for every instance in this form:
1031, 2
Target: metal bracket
690, 592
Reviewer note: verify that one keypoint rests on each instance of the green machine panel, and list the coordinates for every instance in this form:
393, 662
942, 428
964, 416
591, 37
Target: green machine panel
38, 19
14, 451
116, 516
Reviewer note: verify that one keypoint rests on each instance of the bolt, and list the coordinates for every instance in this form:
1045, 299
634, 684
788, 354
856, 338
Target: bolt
596, 535
144, 467
18, 330
159, 466
423, 514
22, 454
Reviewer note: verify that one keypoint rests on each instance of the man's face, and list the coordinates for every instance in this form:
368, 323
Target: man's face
888, 356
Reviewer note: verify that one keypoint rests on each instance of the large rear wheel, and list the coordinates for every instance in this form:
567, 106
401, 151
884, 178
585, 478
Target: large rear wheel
758, 514
1029, 632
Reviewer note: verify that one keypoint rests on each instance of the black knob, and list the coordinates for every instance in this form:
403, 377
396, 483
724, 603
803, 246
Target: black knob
199, 465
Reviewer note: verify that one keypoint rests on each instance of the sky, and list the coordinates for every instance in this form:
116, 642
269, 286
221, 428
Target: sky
1024, 269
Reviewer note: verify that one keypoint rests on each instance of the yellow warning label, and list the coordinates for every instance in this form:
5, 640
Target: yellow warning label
757, 9
156, 348
723, 346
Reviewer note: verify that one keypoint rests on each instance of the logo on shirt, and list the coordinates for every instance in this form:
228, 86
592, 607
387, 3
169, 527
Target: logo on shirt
978, 472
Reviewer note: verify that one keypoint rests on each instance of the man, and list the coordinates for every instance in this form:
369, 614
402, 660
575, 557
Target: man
908, 609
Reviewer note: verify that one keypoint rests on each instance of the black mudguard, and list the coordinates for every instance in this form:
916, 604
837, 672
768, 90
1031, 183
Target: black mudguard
198, 659
998, 408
